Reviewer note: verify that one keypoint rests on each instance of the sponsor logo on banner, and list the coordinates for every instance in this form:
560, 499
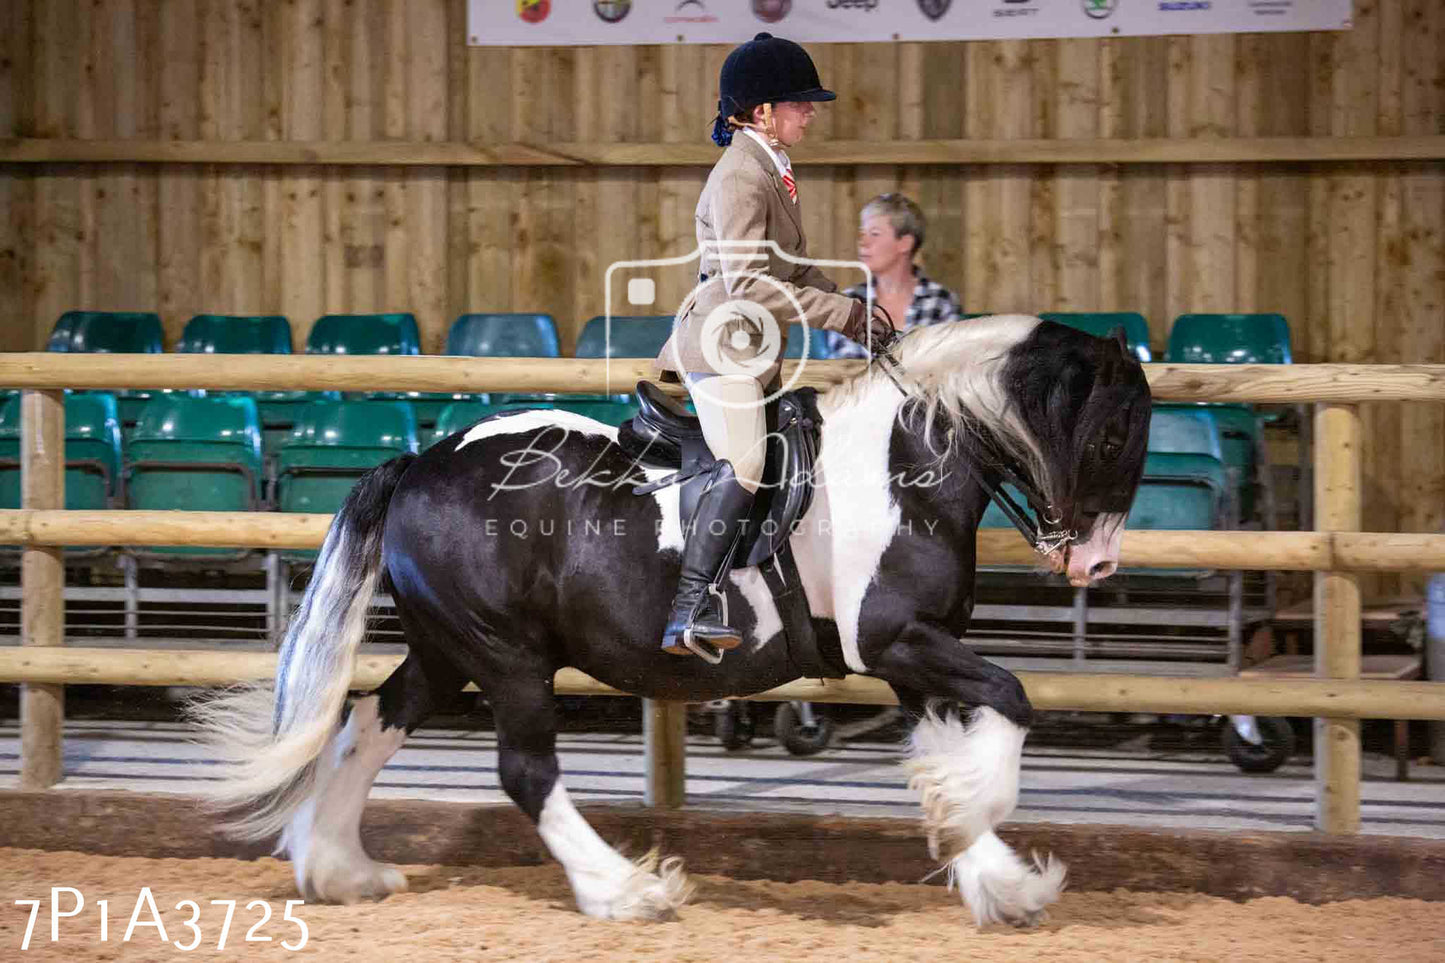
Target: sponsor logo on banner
771, 11
690, 11
934, 9
852, 4
1175, 6
1100, 9
1016, 8
611, 10
534, 11
1271, 8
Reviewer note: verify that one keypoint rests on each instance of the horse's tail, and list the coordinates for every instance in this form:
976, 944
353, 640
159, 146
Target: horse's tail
268, 736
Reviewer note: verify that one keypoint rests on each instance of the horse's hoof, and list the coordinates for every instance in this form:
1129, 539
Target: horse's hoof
643, 895
354, 884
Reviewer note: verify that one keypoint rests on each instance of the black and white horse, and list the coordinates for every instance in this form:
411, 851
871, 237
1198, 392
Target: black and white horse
517, 547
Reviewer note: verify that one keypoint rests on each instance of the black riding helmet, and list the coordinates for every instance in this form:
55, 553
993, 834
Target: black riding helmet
765, 70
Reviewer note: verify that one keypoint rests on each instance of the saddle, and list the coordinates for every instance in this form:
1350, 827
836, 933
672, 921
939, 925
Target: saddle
666, 435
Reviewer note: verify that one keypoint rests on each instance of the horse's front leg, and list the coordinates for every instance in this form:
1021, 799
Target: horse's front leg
965, 755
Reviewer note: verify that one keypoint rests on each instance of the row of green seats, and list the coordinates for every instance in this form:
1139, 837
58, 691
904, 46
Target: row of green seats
1193, 338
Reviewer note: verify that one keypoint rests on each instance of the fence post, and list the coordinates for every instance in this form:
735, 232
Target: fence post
664, 753
1337, 439
42, 585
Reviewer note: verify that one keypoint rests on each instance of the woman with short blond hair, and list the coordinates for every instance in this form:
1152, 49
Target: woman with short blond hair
890, 233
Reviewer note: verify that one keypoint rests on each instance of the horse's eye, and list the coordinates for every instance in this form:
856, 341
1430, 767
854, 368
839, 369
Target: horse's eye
1111, 450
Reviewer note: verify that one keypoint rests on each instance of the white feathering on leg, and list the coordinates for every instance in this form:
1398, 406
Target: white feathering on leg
968, 780
999, 887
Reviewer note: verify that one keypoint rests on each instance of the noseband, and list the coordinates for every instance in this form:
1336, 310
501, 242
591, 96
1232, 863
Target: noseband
1047, 535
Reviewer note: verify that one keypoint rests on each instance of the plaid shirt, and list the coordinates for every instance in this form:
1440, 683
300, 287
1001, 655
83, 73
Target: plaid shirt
932, 304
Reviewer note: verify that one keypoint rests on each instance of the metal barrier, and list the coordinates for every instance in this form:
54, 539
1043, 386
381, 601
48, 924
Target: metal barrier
1336, 551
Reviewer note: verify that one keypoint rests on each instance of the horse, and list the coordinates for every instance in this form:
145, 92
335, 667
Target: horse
514, 548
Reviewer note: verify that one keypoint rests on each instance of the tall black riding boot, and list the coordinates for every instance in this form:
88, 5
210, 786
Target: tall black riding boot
717, 524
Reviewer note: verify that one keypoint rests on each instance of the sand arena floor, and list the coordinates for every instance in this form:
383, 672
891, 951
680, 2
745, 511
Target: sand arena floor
526, 913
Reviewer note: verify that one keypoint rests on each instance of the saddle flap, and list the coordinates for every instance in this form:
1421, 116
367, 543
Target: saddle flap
665, 413
664, 435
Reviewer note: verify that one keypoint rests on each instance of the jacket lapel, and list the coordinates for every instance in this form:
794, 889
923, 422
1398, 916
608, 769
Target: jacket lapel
749, 144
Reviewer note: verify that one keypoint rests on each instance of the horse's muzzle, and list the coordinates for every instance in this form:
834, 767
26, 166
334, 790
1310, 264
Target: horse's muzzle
1095, 558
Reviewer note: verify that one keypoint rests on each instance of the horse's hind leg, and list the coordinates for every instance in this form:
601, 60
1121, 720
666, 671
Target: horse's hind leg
607, 885
323, 839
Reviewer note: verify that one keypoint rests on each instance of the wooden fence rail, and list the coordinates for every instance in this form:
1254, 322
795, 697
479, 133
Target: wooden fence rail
1262, 384
1085, 692
1275, 551
1336, 697
1132, 151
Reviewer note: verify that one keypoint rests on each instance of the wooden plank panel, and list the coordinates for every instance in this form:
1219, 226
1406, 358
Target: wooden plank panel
16, 89
1076, 228
686, 110
363, 198
305, 97
491, 194
977, 291
392, 59
426, 294
1422, 301
1212, 222
54, 287
1354, 212
941, 190
1143, 91
1111, 197
337, 27
17, 206
17, 210
178, 188
1382, 422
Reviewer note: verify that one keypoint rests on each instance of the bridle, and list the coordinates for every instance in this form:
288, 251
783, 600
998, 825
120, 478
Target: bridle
1047, 535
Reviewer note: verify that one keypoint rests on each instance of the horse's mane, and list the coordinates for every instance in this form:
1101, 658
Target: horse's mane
955, 372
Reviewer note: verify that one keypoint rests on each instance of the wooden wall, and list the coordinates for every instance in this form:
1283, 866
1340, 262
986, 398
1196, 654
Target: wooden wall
1351, 253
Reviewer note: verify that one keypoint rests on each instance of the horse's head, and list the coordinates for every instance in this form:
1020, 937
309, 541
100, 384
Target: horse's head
1086, 404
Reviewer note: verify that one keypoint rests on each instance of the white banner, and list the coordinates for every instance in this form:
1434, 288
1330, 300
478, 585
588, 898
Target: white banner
522, 23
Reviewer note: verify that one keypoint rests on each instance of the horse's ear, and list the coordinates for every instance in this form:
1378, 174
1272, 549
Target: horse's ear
1122, 338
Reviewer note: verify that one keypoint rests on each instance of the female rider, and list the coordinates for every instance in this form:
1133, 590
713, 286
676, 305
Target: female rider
754, 281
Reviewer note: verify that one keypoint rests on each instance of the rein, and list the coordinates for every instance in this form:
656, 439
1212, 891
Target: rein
1045, 541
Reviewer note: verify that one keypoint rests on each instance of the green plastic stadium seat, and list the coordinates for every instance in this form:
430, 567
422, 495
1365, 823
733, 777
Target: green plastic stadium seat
631, 336
92, 452
1101, 324
389, 334
331, 446
236, 334
252, 334
364, 334
111, 332
1184, 430
198, 453
817, 341
1229, 339
504, 336
1237, 428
